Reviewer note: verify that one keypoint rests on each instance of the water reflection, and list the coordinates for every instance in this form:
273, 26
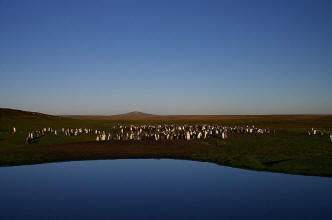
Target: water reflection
158, 189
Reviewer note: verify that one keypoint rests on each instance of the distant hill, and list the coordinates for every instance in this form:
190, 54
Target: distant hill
264, 120
225, 119
14, 113
135, 115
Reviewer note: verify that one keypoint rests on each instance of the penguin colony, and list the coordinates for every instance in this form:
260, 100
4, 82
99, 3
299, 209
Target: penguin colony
151, 132
159, 132
314, 131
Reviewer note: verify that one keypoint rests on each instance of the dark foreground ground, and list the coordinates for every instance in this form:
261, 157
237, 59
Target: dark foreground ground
290, 150
258, 153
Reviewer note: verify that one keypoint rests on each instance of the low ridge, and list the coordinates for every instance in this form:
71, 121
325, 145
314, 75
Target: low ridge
15, 113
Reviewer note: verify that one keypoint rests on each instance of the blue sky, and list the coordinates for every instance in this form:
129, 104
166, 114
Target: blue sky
166, 57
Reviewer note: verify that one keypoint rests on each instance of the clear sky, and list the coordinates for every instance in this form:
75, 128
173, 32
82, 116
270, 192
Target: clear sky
166, 57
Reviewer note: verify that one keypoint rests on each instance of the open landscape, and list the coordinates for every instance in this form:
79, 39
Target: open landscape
289, 149
165, 109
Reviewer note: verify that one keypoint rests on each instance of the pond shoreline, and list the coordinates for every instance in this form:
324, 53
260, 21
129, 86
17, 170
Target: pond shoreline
204, 151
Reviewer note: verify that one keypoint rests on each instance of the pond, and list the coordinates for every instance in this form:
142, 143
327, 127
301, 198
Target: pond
158, 189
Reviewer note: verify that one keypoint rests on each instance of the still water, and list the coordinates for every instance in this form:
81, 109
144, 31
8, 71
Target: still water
158, 189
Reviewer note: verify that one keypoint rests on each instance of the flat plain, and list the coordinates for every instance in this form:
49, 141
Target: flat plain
289, 150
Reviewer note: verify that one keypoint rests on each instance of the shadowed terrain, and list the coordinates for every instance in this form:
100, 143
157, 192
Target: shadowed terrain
14, 113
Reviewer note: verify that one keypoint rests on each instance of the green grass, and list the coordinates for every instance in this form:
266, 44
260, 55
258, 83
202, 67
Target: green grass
26, 124
289, 151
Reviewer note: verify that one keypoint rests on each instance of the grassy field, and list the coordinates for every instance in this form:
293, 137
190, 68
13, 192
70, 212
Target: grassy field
290, 150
